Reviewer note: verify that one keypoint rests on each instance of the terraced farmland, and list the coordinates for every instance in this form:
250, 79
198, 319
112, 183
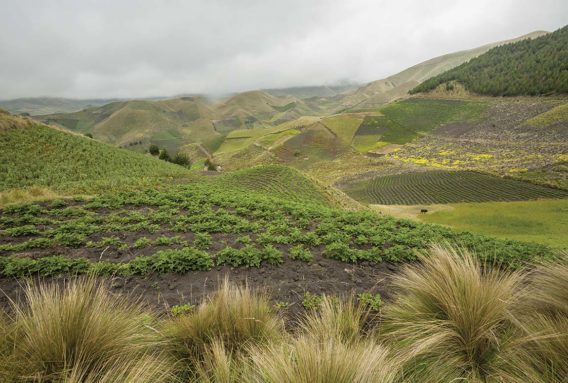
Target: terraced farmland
432, 187
276, 181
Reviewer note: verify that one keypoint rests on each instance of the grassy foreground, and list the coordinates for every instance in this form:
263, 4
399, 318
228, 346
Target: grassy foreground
449, 321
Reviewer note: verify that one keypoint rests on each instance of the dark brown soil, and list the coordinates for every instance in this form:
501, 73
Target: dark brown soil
285, 283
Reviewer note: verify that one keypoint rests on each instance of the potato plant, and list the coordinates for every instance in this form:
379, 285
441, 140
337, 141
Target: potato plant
198, 226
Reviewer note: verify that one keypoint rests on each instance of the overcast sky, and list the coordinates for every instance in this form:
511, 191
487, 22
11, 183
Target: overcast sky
142, 48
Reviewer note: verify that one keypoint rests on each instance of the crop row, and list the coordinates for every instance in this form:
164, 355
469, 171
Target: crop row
433, 187
220, 227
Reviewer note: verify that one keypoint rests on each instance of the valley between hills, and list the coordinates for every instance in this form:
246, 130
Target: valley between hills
308, 193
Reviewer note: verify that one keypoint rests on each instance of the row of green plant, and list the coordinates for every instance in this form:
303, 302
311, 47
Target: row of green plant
197, 215
450, 320
164, 261
440, 186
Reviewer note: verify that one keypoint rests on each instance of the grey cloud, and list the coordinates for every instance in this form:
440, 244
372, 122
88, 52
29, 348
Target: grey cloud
148, 47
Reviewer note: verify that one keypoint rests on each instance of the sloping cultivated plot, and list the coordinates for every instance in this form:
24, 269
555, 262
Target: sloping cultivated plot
276, 181
520, 138
432, 187
405, 120
202, 225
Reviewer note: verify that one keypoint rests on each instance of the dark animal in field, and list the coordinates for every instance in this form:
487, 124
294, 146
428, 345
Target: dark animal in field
423, 211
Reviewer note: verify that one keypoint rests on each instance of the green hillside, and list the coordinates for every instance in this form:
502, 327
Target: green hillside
136, 124
36, 155
381, 92
529, 67
175, 123
36, 106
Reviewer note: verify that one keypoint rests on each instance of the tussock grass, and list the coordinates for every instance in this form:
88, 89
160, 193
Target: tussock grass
308, 359
451, 318
343, 320
543, 317
80, 332
549, 290
7, 360
236, 317
220, 366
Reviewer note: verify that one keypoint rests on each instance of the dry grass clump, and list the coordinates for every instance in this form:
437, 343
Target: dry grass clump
543, 317
34, 193
7, 359
451, 318
80, 332
220, 366
236, 317
343, 320
312, 360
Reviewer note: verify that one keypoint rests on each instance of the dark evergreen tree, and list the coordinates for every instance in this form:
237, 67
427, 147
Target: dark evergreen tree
164, 155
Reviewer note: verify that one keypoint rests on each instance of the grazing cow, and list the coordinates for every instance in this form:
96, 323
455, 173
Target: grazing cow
423, 211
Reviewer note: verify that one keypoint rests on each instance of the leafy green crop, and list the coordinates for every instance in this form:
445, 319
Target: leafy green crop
253, 229
438, 186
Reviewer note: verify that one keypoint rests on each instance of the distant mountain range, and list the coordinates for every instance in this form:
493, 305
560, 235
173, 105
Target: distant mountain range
195, 120
334, 97
35, 106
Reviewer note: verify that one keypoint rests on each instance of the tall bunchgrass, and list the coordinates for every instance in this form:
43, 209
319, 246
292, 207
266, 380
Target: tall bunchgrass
313, 360
543, 317
218, 365
451, 317
7, 359
78, 331
234, 316
340, 319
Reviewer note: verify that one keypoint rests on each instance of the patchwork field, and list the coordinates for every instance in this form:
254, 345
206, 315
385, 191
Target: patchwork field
435, 187
406, 120
522, 138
